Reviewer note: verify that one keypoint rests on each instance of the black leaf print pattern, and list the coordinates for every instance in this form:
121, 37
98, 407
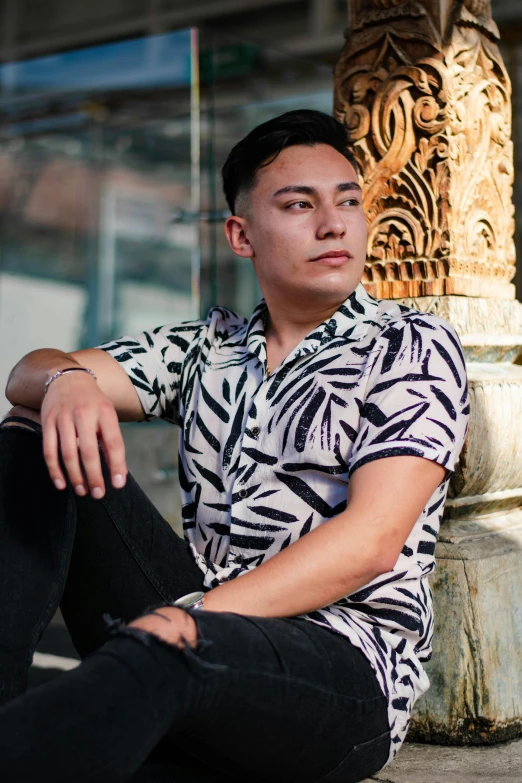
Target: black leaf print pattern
207, 474
273, 513
247, 475
286, 542
293, 415
176, 339
260, 457
241, 382
250, 542
307, 526
263, 461
235, 433
214, 405
264, 526
209, 437
266, 494
333, 470
394, 337
311, 498
449, 361
295, 396
342, 371
348, 430
226, 390
445, 402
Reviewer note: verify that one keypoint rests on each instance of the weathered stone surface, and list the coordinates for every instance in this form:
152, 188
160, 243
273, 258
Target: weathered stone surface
431, 764
491, 461
490, 329
476, 668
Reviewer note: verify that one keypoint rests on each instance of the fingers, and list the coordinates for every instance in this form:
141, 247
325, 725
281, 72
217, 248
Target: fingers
113, 447
179, 631
50, 449
74, 435
86, 427
69, 451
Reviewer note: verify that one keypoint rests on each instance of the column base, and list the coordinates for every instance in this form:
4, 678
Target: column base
476, 668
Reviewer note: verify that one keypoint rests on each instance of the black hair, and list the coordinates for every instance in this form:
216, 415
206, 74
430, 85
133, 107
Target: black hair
264, 143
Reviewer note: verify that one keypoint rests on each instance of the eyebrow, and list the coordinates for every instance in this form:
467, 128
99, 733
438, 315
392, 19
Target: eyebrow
309, 191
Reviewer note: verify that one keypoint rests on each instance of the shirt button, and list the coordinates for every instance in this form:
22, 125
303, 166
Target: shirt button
243, 493
255, 431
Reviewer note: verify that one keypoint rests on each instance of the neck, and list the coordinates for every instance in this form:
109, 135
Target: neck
289, 322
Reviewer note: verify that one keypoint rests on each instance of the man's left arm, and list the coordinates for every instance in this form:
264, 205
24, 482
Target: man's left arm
385, 499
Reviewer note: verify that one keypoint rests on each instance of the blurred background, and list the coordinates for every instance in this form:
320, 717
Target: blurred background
115, 118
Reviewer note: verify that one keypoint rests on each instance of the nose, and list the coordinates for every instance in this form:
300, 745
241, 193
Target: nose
331, 223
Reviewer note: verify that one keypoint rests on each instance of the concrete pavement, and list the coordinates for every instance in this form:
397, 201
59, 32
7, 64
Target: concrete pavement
436, 764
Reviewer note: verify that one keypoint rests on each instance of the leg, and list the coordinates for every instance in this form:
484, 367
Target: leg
96, 723
125, 558
36, 533
281, 699
259, 699
120, 558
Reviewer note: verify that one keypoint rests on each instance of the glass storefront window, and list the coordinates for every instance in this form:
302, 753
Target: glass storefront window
96, 156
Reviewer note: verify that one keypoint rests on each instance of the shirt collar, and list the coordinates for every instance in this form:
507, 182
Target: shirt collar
351, 321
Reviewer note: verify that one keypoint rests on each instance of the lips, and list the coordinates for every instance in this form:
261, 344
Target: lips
333, 254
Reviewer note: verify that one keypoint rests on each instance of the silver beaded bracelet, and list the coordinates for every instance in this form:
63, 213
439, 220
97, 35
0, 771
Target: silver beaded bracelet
68, 369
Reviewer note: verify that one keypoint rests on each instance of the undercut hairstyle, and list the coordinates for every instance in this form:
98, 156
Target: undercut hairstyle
264, 143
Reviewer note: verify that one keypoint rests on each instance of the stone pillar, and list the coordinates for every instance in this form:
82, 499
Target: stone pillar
422, 87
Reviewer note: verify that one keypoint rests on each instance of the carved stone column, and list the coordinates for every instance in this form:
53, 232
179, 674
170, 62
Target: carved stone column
424, 92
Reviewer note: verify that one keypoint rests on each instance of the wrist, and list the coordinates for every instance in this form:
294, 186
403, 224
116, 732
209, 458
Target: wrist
64, 371
63, 365
191, 600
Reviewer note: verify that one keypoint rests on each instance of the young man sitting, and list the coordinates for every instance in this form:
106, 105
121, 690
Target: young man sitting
317, 440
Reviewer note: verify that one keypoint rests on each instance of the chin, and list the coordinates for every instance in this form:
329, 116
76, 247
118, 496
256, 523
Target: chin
333, 293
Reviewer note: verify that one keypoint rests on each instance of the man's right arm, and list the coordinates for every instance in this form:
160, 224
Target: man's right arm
78, 407
27, 379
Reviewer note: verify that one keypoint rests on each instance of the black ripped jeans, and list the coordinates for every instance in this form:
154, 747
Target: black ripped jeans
258, 699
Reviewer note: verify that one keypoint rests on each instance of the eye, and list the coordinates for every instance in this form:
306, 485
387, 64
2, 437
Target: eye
298, 205
351, 202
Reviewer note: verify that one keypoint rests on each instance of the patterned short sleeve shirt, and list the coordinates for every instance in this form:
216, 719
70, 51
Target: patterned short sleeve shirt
264, 459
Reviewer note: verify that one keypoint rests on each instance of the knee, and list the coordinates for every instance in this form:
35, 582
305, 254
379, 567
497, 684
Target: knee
23, 412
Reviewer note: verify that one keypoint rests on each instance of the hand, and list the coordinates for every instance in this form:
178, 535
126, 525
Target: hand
171, 624
74, 413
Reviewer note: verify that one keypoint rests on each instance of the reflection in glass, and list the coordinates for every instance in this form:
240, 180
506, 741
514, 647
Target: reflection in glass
96, 157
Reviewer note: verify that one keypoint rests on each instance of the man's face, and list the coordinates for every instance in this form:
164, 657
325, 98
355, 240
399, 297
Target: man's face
304, 227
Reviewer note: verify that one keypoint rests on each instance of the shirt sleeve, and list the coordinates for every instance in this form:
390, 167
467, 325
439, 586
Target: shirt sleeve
416, 400
154, 360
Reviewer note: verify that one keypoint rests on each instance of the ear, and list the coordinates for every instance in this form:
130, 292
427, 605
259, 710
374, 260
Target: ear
235, 230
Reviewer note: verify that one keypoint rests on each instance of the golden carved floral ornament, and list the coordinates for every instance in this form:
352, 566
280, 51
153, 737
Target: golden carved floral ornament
430, 123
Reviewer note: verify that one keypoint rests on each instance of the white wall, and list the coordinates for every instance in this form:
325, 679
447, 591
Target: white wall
36, 313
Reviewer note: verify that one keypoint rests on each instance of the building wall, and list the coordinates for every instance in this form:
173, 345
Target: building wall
306, 27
